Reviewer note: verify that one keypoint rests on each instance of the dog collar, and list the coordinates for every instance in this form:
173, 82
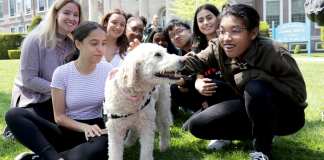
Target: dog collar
117, 115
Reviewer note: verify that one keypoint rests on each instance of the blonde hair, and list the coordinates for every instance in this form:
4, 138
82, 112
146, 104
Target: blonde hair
48, 29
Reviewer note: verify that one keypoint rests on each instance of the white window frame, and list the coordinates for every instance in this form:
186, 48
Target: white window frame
318, 49
290, 11
31, 7
316, 25
15, 12
39, 11
265, 10
296, 43
19, 8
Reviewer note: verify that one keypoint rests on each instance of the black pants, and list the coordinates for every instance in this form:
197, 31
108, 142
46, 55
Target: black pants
193, 100
261, 114
50, 141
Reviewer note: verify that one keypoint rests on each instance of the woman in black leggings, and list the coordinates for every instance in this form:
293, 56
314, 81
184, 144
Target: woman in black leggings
47, 139
77, 95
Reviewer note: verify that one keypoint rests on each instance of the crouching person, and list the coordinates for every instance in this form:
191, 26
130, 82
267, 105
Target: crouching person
266, 78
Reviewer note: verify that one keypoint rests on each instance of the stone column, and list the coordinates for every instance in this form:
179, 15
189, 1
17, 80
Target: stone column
93, 11
143, 6
85, 9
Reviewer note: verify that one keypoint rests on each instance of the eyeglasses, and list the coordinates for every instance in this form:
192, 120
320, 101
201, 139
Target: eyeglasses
178, 31
235, 31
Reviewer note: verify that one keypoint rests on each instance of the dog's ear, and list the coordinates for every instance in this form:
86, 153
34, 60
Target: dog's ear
130, 73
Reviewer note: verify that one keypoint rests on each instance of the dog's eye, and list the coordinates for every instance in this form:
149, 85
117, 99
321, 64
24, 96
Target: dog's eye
158, 54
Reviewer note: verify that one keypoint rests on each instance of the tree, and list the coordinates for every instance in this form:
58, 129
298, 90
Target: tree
264, 29
35, 21
185, 9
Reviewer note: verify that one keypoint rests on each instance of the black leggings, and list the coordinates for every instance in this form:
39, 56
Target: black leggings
261, 114
51, 141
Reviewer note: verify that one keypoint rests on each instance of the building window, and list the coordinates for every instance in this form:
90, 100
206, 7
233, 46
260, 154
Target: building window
272, 11
28, 6
12, 8
21, 29
41, 5
49, 3
1, 9
13, 29
297, 11
319, 46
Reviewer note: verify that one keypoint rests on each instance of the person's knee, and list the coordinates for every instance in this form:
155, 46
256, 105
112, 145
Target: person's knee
13, 115
256, 93
197, 127
291, 125
258, 88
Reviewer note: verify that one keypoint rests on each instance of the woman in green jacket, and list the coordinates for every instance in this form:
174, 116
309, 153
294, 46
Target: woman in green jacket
262, 73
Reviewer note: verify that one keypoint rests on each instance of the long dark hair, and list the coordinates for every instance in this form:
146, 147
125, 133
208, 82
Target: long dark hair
80, 33
122, 41
199, 39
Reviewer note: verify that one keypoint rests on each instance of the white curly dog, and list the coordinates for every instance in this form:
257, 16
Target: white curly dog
137, 97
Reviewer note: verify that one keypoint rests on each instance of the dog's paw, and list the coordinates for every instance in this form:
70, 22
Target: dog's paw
164, 146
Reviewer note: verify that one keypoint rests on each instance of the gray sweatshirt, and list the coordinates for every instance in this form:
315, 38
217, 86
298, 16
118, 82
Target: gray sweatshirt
37, 64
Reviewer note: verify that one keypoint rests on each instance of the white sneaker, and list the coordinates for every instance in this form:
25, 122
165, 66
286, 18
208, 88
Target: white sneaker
27, 156
218, 144
258, 156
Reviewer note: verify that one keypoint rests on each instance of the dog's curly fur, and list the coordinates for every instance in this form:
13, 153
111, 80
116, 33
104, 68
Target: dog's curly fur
143, 69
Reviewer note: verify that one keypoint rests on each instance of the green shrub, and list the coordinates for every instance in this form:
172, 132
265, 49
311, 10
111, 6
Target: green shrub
297, 49
34, 23
9, 41
264, 29
14, 53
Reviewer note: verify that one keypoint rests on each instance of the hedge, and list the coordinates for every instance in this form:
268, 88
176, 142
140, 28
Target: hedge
14, 53
9, 41
297, 49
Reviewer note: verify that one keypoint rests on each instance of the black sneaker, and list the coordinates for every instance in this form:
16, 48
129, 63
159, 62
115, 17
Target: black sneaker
7, 134
27, 156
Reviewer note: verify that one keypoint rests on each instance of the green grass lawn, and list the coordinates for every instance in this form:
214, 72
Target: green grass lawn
307, 144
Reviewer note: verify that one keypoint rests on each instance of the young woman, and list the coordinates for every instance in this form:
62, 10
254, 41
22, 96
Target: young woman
43, 50
264, 76
206, 21
117, 43
78, 94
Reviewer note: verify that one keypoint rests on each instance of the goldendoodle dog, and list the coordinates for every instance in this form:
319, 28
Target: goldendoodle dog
137, 97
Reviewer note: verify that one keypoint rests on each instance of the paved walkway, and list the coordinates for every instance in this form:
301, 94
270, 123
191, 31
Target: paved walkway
310, 59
